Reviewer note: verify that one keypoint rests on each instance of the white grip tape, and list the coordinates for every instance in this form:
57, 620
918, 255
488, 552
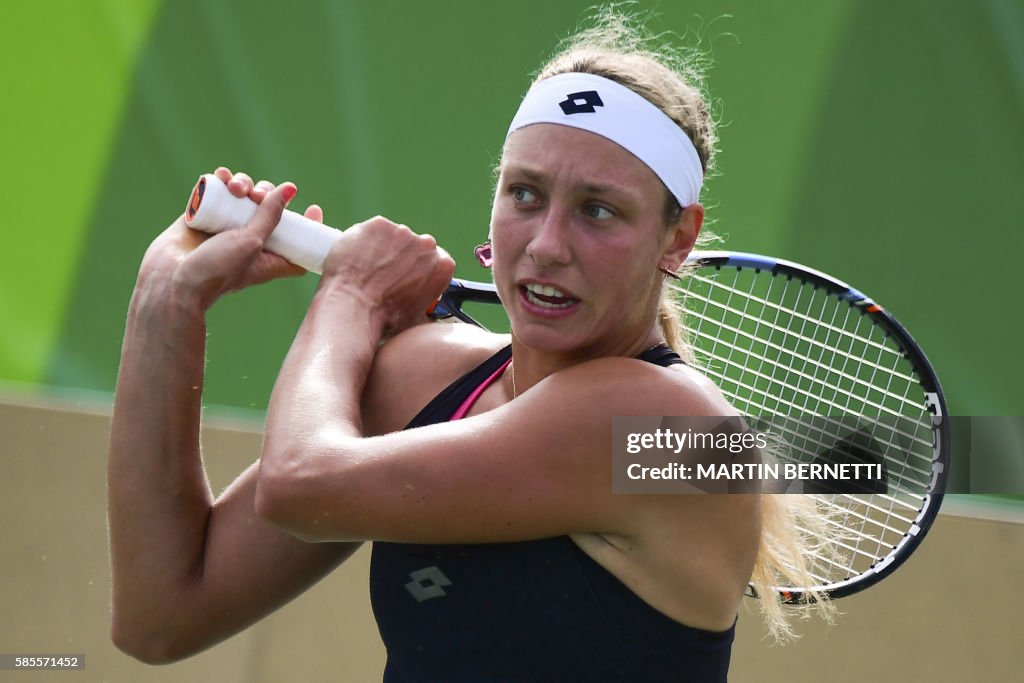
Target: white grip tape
302, 241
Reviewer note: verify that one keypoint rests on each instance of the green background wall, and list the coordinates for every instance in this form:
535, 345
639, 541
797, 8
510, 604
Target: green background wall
879, 141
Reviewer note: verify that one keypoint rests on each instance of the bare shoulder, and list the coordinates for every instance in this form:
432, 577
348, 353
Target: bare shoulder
642, 388
416, 365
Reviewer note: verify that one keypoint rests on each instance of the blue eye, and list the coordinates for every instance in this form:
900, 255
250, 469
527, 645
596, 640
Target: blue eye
597, 211
522, 196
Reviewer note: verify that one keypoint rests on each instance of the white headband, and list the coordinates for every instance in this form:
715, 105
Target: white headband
613, 111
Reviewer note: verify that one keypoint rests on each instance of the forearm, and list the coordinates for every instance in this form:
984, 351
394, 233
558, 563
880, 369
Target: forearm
158, 498
314, 410
379, 279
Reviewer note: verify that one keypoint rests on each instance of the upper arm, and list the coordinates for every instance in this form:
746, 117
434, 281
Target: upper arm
416, 365
538, 466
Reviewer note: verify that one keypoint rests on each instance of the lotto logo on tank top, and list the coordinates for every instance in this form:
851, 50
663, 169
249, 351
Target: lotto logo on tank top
427, 583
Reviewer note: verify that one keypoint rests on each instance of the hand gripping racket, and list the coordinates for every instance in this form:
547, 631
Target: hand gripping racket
819, 361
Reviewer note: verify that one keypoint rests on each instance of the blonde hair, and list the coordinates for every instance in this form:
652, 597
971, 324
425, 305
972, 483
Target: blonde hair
615, 46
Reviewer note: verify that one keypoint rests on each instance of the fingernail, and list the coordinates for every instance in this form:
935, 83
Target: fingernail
289, 192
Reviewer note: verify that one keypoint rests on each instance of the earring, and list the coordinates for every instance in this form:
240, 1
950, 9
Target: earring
668, 272
483, 254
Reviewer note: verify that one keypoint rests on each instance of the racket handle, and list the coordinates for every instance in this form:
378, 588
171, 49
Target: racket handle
212, 208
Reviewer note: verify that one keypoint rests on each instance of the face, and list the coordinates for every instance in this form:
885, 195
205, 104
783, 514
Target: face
578, 234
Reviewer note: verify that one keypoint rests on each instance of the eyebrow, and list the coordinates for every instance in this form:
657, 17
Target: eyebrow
589, 188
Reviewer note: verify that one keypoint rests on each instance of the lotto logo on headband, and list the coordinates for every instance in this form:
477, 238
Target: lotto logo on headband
581, 102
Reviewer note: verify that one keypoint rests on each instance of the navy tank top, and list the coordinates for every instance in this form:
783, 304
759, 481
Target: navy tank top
529, 611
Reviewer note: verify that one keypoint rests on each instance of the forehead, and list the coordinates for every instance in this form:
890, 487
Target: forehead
579, 156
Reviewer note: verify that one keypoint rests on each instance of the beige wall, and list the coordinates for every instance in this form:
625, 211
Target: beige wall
953, 613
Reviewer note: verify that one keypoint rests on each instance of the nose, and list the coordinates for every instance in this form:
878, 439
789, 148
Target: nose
550, 243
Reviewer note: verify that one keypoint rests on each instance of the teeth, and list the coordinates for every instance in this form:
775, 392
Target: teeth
534, 292
544, 290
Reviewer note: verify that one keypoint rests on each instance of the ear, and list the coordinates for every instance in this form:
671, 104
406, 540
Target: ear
683, 236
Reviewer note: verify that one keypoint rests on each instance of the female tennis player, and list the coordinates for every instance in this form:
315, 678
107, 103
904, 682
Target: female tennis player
478, 464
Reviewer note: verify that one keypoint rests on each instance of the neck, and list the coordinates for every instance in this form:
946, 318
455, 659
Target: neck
530, 366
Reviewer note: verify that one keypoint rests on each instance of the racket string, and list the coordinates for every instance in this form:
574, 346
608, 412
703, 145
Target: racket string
820, 385
787, 348
791, 311
781, 349
768, 398
826, 387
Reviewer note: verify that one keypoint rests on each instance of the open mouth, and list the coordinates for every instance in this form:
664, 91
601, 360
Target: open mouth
547, 297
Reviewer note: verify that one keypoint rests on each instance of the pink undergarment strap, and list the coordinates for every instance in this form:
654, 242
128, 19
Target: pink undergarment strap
471, 399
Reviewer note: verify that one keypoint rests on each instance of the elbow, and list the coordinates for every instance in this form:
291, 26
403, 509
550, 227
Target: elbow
276, 482
313, 498
279, 501
269, 499
149, 646
157, 636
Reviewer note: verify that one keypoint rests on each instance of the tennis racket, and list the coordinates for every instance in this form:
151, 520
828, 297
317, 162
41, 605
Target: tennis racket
785, 340
828, 369
838, 377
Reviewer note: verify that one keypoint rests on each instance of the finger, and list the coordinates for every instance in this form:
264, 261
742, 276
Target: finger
260, 190
314, 213
446, 268
445, 261
224, 173
443, 274
430, 242
439, 279
271, 267
240, 184
269, 214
